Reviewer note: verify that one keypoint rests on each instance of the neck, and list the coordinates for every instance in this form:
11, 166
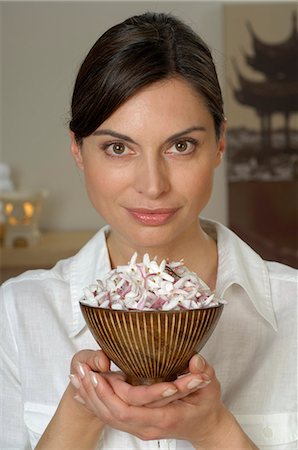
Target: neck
197, 249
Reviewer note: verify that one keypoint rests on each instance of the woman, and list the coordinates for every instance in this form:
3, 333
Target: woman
148, 131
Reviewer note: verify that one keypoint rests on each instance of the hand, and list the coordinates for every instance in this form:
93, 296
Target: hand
156, 395
160, 394
84, 362
163, 410
73, 425
176, 410
91, 360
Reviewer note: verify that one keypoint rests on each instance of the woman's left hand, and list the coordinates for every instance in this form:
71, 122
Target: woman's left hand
194, 413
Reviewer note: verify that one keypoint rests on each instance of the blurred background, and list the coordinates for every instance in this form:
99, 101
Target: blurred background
262, 110
42, 45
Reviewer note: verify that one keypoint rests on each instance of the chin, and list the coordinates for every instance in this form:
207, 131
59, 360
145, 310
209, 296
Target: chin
151, 238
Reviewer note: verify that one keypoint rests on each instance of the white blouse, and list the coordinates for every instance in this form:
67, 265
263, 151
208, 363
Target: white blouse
253, 348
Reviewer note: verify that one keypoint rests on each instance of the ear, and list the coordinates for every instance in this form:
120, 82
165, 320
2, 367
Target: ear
221, 144
76, 151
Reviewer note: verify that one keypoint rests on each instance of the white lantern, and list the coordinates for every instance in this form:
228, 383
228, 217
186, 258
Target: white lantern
21, 211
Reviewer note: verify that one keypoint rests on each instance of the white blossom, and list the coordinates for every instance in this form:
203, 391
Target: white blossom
150, 286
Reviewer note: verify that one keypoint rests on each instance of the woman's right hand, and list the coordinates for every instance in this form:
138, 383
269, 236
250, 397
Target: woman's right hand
73, 424
91, 360
83, 362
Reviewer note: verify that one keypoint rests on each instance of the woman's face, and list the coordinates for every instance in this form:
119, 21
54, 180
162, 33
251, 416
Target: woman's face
149, 167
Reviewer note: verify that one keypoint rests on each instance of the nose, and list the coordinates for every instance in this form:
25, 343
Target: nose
151, 177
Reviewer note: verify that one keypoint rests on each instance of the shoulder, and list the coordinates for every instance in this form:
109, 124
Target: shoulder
34, 289
283, 279
281, 272
59, 272
39, 290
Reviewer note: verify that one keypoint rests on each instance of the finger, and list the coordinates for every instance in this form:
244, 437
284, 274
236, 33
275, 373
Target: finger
118, 413
86, 395
101, 361
186, 386
198, 377
196, 365
112, 411
78, 390
100, 395
96, 360
199, 365
139, 395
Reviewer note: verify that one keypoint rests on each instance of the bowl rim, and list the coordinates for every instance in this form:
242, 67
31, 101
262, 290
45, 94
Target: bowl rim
136, 311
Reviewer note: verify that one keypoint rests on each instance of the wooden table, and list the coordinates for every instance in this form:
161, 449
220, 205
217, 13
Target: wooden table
53, 246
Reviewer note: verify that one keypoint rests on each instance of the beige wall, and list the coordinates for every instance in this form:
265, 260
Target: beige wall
1, 90
43, 44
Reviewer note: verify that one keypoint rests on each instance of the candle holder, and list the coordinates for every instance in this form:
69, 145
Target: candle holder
21, 217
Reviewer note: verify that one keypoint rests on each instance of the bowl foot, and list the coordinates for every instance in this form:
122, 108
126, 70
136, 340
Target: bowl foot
134, 381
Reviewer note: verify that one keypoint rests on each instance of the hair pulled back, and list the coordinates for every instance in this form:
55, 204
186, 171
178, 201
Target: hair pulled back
135, 53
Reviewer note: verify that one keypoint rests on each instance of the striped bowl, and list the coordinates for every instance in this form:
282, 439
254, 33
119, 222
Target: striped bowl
151, 346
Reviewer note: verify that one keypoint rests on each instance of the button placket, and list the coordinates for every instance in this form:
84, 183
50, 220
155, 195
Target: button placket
166, 444
268, 432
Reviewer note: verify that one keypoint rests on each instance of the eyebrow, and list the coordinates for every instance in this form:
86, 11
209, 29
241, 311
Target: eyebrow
182, 133
123, 137
107, 132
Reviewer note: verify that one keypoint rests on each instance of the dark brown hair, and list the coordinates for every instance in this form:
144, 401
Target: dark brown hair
135, 53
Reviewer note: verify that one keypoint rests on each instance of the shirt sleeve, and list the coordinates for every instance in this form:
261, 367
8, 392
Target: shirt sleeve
13, 434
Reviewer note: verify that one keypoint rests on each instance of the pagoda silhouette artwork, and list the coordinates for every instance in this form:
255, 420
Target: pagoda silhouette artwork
254, 154
262, 156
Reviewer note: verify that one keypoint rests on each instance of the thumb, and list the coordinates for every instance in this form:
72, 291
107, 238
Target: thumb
95, 360
197, 364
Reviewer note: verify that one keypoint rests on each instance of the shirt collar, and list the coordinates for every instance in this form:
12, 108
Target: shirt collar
237, 264
89, 264
240, 264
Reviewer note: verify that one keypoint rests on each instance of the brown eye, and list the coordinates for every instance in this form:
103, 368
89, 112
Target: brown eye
118, 148
181, 146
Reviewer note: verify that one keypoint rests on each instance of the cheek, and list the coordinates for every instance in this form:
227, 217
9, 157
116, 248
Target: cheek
97, 185
101, 182
196, 182
200, 192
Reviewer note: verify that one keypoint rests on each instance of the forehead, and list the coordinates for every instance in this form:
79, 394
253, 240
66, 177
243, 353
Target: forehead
172, 101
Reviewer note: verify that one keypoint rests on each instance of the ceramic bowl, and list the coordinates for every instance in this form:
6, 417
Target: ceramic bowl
151, 346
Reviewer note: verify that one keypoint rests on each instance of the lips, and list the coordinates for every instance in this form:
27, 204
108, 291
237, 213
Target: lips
152, 217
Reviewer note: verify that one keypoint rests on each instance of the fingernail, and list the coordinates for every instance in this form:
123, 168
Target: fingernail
93, 379
97, 363
81, 370
75, 381
205, 376
79, 399
198, 384
194, 383
169, 392
200, 362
